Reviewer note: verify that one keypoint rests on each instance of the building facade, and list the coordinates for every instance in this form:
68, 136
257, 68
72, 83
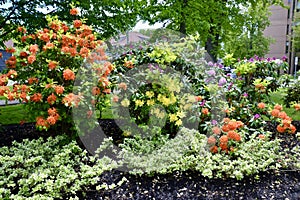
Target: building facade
280, 29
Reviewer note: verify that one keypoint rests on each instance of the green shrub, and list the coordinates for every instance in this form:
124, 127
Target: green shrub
50, 169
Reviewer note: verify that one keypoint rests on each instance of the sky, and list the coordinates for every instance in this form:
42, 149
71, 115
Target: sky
143, 25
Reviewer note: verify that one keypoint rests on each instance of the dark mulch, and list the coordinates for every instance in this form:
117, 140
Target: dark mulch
179, 185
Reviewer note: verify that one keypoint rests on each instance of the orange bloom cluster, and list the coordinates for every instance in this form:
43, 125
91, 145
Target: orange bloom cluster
129, 64
297, 106
3, 80
51, 99
68, 74
59, 89
71, 99
230, 127
11, 62
1, 55
37, 97
53, 116
52, 65
10, 50
205, 111
285, 125
74, 11
41, 122
261, 105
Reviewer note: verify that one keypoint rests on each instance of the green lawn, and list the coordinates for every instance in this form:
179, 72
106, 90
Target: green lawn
13, 114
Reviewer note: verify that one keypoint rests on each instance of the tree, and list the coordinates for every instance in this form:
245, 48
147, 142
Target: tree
252, 40
296, 33
213, 19
106, 16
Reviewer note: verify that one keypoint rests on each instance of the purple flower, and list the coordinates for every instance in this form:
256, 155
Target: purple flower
251, 60
256, 116
245, 94
268, 59
214, 122
202, 103
222, 81
284, 58
230, 85
210, 64
211, 72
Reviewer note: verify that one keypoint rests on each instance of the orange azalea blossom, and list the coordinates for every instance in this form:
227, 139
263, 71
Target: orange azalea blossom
10, 50
31, 59
104, 81
1, 55
261, 136
51, 120
4, 89
286, 122
55, 25
33, 48
84, 52
214, 149
211, 140
216, 130
52, 111
234, 136
115, 98
52, 65
12, 73
77, 23
261, 105
232, 125
32, 80
223, 146
68, 74
37, 97
297, 106
205, 111
225, 128
128, 64
11, 95
24, 38
21, 29
282, 115
74, 11
198, 98
275, 112
23, 54
280, 129
71, 99
3, 80
95, 91
293, 128
23, 96
123, 86
51, 99
224, 139
278, 107
107, 91
40, 121
49, 45
59, 89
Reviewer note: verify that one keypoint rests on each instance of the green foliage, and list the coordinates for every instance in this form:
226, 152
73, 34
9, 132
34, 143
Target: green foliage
50, 169
217, 22
107, 17
292, 93
189, 151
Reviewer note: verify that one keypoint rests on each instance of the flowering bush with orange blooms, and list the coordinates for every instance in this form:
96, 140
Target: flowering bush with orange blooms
285, 122
225, 138
46, 67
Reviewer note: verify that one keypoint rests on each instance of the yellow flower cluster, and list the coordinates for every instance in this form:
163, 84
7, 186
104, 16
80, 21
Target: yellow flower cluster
165, 100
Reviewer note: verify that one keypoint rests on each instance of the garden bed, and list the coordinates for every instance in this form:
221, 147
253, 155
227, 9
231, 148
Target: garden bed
283, 184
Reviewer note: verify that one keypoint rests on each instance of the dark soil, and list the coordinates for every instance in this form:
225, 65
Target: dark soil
284, 184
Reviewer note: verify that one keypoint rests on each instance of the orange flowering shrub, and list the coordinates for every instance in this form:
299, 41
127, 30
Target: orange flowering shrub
285, 122
46, 67
226, 138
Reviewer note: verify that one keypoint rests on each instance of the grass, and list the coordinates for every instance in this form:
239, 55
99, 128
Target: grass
277, 97
13, 114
